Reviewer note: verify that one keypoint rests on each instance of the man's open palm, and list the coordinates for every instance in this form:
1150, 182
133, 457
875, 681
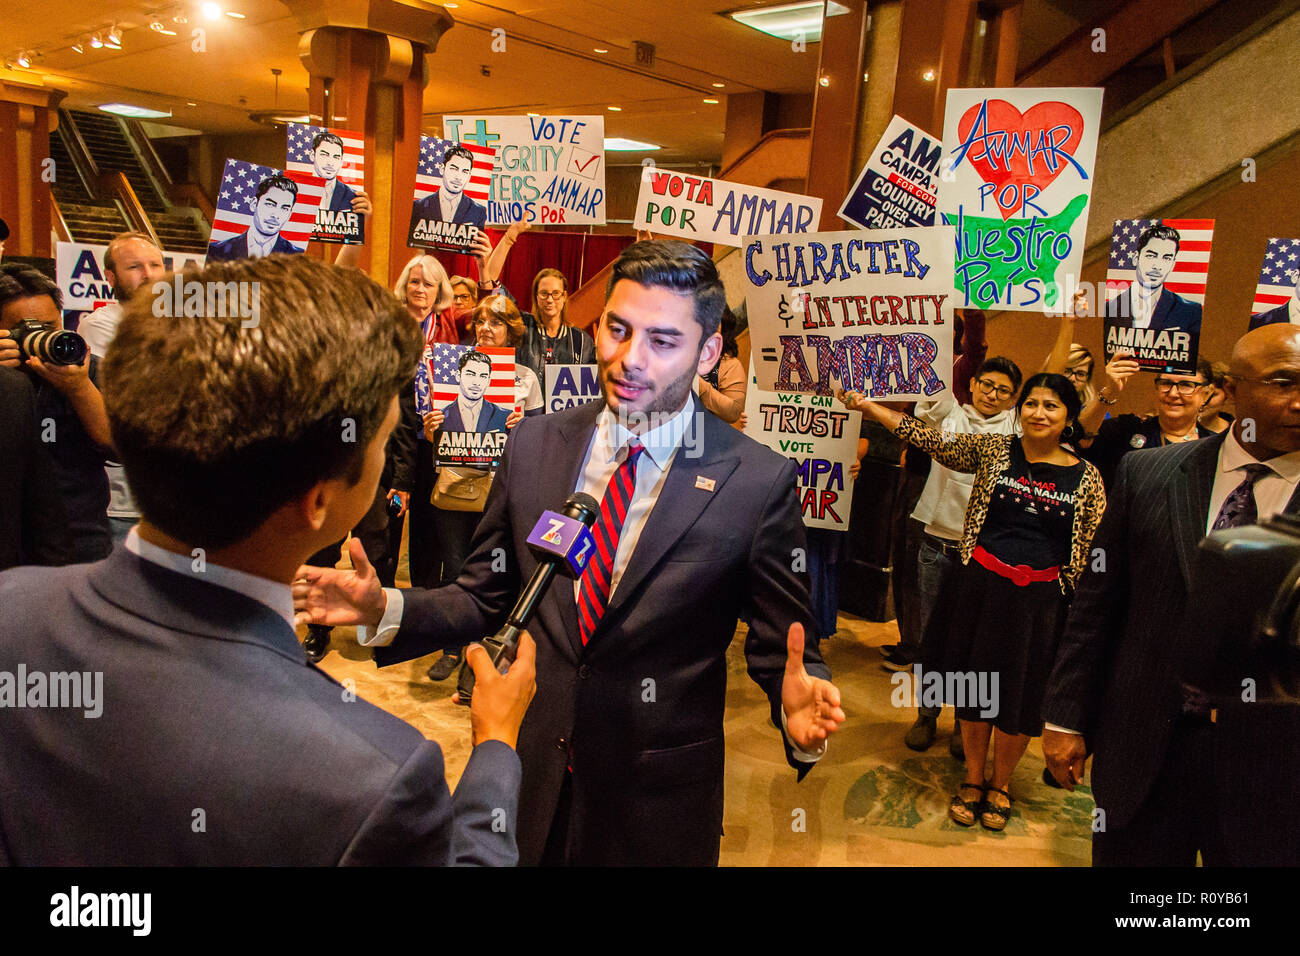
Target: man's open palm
811, 704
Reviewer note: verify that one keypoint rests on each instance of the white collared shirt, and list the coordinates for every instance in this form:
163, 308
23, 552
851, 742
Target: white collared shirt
1272, 491
274, 594
1293, 310
327, 196
258, 248
99, 327
1144, 305
469, 413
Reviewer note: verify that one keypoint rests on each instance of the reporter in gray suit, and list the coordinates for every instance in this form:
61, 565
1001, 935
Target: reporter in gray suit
202, 736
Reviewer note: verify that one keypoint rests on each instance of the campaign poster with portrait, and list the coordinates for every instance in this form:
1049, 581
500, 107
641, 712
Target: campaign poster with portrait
1016, 185
865, 311
263, 211
899, 185
1277, 296
474, 387
1155, 291
549, 170
337, 156
570, 385
713, 210
80, 273
451, 189
820, 436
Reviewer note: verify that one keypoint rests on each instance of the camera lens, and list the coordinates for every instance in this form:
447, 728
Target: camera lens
62, 348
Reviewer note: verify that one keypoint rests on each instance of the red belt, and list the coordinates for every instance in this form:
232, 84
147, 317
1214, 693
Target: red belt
1018, 574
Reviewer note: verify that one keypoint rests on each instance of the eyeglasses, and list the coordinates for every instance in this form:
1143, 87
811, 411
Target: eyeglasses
550, 295
463, 297
1078, 374
1279, 384
1183, 388
990, 388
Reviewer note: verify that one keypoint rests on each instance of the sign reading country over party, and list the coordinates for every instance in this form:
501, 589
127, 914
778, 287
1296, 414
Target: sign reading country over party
262, 211
821, 437
1155, 288
898, 186
869, 312
549, 169
79, 268
712, 210
1017, 180
451, 190
1277, 296
570, 385
337, 156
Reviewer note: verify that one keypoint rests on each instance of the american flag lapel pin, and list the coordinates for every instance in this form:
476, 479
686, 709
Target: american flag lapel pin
708, 484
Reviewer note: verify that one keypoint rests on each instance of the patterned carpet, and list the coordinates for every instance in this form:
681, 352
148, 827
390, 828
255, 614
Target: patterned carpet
871, 801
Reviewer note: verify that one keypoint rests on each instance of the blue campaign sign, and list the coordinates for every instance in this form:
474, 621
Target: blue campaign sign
898, 187
563, 537
570, 385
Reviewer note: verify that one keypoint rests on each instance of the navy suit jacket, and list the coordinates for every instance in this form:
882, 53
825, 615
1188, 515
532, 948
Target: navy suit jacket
638, 711
1172, 311
1123, 657
467, 210
1279, 313
209, 705
236, 247
491, 418
342, 198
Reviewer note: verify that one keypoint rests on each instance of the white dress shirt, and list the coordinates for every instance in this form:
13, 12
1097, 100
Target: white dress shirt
327, 196
274, 594
100, 326
258, 247
1293, 310
469, 413
1144, 304
1272, 491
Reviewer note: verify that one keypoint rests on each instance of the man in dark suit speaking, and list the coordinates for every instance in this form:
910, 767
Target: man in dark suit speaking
188, 728
471, 412
623, 750
273, 205
1117, 688
1146, 303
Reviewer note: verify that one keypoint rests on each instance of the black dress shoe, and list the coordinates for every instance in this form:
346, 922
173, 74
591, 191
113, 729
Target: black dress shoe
317, 642
445, 666
1050, 780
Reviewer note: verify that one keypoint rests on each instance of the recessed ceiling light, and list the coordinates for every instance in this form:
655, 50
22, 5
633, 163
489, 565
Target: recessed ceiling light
710, 101
616, 144
451, 6
235, 16
824, 80
599, 50
718, 86
96, 42
191, 104
24, 60
928, 76
790, 21
135, 112
614, 109
77, 47
211, 11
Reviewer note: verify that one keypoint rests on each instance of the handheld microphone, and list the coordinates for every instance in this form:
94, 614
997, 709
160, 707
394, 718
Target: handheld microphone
562, 542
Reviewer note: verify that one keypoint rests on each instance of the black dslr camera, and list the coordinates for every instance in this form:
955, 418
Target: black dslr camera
51, 346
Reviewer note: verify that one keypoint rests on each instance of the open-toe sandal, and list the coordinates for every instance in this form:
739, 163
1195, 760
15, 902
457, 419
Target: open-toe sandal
963, 812
995, 818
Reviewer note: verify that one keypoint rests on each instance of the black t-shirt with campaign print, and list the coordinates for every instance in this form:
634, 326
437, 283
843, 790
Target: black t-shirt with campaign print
1031, 512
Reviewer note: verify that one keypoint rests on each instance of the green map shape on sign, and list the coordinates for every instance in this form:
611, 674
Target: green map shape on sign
991, 270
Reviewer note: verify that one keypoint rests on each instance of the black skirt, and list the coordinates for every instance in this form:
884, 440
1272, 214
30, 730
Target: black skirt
990, 645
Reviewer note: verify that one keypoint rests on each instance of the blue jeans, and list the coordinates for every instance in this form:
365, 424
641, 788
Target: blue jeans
933, 566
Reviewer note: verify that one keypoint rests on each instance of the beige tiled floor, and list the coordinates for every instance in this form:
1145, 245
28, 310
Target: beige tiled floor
872, 801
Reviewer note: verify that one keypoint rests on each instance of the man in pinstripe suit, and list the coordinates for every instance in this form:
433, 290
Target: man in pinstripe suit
1117, 689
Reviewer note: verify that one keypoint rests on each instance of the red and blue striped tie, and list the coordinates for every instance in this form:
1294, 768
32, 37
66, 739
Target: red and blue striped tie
593, 587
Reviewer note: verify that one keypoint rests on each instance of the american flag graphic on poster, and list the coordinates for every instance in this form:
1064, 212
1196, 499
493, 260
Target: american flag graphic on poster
337, 155
1190, 267
237, 202
428, 174
1279, 276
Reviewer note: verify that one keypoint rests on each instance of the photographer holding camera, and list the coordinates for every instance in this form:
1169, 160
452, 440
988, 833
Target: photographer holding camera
69, 408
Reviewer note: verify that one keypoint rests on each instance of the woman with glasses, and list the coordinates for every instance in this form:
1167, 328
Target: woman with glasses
1071, 359
549, 339
1026, 534
1180, 399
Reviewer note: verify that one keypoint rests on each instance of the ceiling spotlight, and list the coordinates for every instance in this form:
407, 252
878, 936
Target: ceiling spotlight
180, 18
718, 86
235, 16
825, 81
114, 39
451, 6
96, 42
191, 104
211, 10
77, 47
24, 60
599, 50
711, 101
614, 109
928, 76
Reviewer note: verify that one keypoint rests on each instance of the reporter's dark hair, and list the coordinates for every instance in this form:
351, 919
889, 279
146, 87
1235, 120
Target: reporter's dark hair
679, 267
1000, 363
218, 426
20, 281
1060, 385
278, 181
